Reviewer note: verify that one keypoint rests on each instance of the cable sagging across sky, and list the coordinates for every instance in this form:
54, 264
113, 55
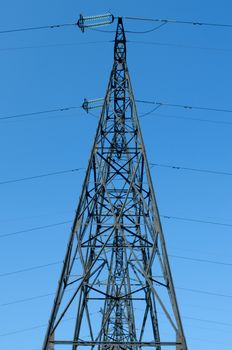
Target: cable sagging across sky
212, 109
54, 26
175, 21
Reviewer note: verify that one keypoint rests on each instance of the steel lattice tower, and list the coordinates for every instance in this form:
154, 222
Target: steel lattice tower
116, 289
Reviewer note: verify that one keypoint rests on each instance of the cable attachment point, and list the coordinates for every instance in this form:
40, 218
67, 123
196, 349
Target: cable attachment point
91, 104
95, 21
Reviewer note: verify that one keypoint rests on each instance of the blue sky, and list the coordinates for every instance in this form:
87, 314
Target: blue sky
48, 69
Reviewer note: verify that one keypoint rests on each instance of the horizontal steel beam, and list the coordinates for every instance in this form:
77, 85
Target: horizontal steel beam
112, 343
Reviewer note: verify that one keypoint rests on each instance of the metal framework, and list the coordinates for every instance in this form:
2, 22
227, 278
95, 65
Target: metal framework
116, 289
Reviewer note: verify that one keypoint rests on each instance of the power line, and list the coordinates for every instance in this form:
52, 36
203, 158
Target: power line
58, 262
163, 216
23, 330
101, 30
53, 45
196, 220
162, 23
200, 260
158, 43
41, 296
158, 104
62, 109
157, 20
205, 292
129, 31
145, 31
54, 26
185, 106
110, 41
35, 229
174, 167
161, 115
38, 267
19, 301
140, 116
208, 321
36, 327
93, 115
33, 268
175, 21
42, 118
28, 269
44, 325
40, 176
177, 167
35, 297
149, 112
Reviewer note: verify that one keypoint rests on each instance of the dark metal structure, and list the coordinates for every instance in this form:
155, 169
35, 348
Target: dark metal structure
116, 289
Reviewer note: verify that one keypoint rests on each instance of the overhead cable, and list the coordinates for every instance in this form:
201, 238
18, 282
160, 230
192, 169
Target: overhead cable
33, 268
38, 267
35, 229
158, 104
145, 31
41, 296
200, 260
40, 176
62, 109
54, 26
195, 220
185, 106
149, 112
205, 292
53, 45
157, 20
168, 217
23, 330
174, 167
35, 297
175, 21
211, 121
25, 300
101, 30
131, 31
177, 167
227, 324
158, 43
44, 325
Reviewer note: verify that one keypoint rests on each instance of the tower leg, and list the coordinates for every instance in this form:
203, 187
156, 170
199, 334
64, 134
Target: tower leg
51, 345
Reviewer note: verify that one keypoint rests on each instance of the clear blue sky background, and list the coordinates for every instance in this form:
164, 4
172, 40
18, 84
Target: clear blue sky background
54, 68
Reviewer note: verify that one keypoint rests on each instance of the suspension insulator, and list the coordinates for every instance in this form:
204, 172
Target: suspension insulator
95, 21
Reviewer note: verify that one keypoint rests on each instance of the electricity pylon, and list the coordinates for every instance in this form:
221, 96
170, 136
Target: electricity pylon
116, 289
